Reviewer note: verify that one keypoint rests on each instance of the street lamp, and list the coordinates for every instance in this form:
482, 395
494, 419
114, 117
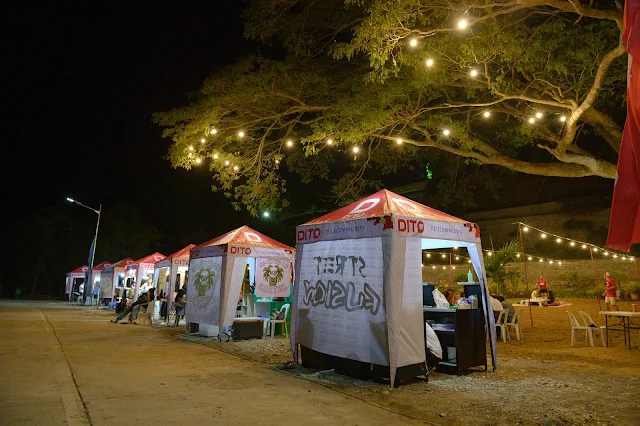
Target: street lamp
95, 238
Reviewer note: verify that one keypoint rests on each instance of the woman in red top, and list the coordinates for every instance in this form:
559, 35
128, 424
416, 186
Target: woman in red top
610, 292
542, 284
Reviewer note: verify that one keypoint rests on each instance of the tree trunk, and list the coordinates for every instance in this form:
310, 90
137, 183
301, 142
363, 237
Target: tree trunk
605, 127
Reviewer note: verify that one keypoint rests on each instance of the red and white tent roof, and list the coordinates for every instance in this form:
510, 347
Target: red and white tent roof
384, 203
146, 261
101, 266
179, 258
247, 237
121, 264
78, 272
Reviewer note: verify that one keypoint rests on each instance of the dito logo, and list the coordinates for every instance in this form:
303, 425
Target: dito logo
240, 250
255, 238
410, 225
365, 205
308, 234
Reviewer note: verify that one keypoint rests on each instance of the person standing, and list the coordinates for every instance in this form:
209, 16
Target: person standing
542, 284
609, 294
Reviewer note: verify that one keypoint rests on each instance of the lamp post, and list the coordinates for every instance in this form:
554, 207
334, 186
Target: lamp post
95, 238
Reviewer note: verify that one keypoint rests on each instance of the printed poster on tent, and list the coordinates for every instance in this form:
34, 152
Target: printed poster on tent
106, 284
340, 299
203, 290
273, 278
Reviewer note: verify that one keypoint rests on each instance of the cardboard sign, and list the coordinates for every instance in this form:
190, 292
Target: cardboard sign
340, 302
273, 278
203, 290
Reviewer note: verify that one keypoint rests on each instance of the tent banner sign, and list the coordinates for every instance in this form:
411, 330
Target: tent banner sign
340, 301
203, 290
106, 284
273, 277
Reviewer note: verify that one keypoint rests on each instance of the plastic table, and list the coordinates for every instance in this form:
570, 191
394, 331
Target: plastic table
625, 322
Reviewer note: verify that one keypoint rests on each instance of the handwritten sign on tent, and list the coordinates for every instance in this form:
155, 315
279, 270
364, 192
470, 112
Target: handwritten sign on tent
273, 278
340, 301
203, 290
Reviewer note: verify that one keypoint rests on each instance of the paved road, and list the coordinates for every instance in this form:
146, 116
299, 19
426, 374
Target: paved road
65, 365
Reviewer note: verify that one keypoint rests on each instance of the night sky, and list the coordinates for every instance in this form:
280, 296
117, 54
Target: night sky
84, 79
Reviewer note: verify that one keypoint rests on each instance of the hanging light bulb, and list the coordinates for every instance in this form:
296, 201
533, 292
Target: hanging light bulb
356, 149
529, 258
541, 260
190, 147
198, 161
559, 262
453, 267
422, 265
462, 24
203, 140
572, 243
413, 42
236, 168
624, 258
584, 246
538, 114
277, 161
606, 253
563, 118
241, 134
213, 131
543, 235
226, 163
518, 255
446, 132
443, 256
525, 229
595, 249
433, 267
444, 267
551, 262
486, 114
615, 256
289, 143
399, 141
558, 240
215, 156
473, 73
429, 62
469, 261
329, 141
532, 120
428, 254
489, 253
457, 258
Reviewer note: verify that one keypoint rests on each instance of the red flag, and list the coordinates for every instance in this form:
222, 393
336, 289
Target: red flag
624, 225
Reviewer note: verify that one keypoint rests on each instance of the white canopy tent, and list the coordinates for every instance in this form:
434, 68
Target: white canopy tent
141, 270
166, 273
217, 269
112, 279
358, 292
76, 274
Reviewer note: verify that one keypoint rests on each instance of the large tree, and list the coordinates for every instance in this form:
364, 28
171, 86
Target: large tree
536, 86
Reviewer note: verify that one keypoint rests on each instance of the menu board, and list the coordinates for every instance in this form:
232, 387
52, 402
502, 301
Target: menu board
203, 290
273, 277
340, 300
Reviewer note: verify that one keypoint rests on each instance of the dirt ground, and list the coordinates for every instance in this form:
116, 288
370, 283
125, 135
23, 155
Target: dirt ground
71, 366
539, 380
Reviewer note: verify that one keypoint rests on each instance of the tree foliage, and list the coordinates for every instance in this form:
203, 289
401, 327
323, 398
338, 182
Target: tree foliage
495, 263
356, 74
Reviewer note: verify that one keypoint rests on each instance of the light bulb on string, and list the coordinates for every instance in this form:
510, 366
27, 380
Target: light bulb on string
532, 120
241, 134
457, 258
428, 254
399, 141
518, 255
413, 42
329, 141
624, 258
443, 256
356, 149
213, 131
563, 118
422, 265
429, 62
525, 229
190, 147
541, 260
473, 73
615, 256
538, 114
558, 240
277, 161
595, 249
543, 235
203, 140
551, 262
215, 156
444, 267
489, 253
433, 267
236, 168
446, 132
198, 161
453, 267
606, 253
469, 261
226, 163
529, 258
584, 246
462, 24
486, 114
289, 143
572, 243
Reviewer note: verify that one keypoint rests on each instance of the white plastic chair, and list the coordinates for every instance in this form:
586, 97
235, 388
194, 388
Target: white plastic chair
273, 322
575, 327
502, 323
515, 323
586, 318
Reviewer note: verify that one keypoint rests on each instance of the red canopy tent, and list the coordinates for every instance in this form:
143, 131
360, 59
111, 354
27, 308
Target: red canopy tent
72, 276
94, 278
175, 263
110, 278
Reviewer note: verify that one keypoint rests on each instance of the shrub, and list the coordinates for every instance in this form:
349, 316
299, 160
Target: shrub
633, 287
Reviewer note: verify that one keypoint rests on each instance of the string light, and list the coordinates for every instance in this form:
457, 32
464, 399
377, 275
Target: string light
399, 141
277, 161
266, 214
489, 253
329, 142
529, 258
241, 134
541, 260
584, 246
429, 62
289, 143
538, 114
226, 163
355, 149
615, 256
525, 229
595, 249
558, 240
473, 73
486, 114
532, 120
462, 24
213, 131
433, 267
563, 118
215, 156
413, 42
422, 265
190, 147
457, 258
444, 267
446, 132
543, 235
444, 256
198, 161
203, 140
236, 168
428, 254
572, 243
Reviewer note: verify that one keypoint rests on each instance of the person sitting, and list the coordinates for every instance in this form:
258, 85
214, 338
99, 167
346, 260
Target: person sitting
451, 296
143, 300
278, 315
508, 306
535, 293
496, 306
179, 305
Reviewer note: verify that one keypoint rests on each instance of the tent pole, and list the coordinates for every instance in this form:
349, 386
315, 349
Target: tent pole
526, 277
595, 277
450, 270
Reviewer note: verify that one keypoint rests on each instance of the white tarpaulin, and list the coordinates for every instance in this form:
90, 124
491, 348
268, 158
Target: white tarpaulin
233, 276
203, 290
340, 302
273, 278
106, 284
